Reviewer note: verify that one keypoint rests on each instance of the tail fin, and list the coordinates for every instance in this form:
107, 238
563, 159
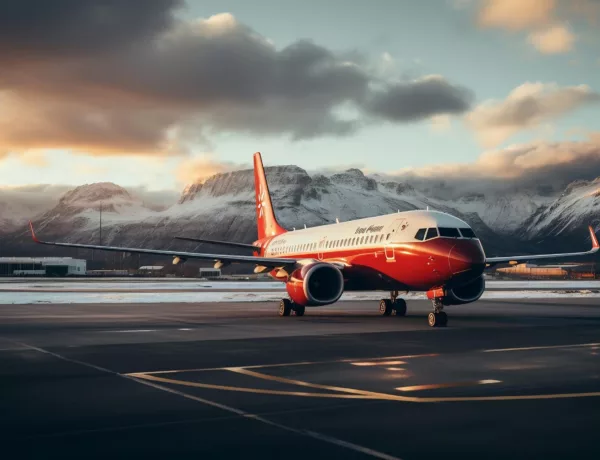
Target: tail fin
266, 221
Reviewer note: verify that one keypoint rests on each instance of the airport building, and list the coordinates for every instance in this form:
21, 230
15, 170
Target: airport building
151, 270
42, 266
209, 273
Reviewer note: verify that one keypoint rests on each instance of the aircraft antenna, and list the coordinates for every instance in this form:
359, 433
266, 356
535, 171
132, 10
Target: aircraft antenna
337, 221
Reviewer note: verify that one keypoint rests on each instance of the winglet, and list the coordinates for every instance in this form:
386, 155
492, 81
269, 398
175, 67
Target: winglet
33, 233
595, 244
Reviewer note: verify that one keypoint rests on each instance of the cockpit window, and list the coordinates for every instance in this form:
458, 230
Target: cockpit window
467, 233
420, 234
449, 232
431, 233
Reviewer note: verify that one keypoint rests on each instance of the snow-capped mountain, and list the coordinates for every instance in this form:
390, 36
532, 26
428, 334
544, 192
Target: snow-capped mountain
222, 207
568, 216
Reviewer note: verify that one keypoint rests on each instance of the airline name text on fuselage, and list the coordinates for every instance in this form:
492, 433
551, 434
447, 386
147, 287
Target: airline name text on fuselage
370, 229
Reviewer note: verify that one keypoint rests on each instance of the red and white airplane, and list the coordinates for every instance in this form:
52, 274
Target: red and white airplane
427, 251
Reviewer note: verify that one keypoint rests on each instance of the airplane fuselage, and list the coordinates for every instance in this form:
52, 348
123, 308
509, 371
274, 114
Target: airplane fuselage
391, 251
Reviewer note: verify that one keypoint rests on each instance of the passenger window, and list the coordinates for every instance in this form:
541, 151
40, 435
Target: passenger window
431, 233
388, 237
420, 235
449, 232
467, 233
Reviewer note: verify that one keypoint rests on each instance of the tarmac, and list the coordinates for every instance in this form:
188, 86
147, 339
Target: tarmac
505, 379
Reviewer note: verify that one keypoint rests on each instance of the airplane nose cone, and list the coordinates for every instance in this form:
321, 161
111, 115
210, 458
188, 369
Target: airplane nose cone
466, 256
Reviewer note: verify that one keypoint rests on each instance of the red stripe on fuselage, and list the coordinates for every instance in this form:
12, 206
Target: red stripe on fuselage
415, 266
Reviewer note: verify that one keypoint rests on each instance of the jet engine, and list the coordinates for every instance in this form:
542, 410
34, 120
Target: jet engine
466, 293
315, 284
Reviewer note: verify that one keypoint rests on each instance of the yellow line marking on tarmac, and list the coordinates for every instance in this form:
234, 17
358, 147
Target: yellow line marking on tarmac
298, 363
436, 386
352, 393
245, 389
378, 363
259, 375
548, 347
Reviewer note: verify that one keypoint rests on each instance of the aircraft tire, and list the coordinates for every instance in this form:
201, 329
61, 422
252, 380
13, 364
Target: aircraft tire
437, 319
285, 307
385, 307
400, 307
299, 310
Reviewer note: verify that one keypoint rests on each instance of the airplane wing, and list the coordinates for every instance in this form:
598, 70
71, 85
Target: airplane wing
595, 247
226, 258
223, 243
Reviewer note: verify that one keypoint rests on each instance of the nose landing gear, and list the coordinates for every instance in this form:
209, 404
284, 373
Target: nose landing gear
437, 318
393, 304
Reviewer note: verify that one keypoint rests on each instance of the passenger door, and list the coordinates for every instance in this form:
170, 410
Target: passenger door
395, 228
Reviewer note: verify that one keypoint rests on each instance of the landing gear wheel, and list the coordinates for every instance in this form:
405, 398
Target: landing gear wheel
385, 307
400, 307
299, 310
437, 319
285, 307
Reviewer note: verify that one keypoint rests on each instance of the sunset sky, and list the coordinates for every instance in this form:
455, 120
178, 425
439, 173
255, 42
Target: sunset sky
156, 93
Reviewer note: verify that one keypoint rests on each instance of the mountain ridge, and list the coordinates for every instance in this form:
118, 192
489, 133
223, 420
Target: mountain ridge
222, 207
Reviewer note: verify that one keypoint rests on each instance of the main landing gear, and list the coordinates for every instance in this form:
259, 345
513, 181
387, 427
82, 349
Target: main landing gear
393, 304
286, 306
437, 318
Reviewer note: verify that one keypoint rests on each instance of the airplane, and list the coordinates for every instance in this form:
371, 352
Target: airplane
418, 250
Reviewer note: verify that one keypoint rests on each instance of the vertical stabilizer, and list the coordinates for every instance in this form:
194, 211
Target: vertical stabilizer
265, 217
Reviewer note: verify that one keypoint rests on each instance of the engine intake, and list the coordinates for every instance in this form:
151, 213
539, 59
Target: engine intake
465, 294
316, 284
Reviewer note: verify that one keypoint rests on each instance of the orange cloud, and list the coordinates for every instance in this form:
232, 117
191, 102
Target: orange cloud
198, 169
516, 14
527, 161
553, 40
545, 20
527, 106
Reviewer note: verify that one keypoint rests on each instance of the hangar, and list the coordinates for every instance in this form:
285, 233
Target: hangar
42, 266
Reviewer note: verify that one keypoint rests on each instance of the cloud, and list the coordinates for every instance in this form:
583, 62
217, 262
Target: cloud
555, 39
37, 29
545, 20
530, 165
156, 199
129, 78
199, 168
516, 14
419, 99
526, 107
441, 123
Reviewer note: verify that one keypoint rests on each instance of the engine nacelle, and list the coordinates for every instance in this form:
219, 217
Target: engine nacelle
315, 284
466, 293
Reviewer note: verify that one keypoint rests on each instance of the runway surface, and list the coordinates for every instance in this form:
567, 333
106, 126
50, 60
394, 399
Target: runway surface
506, 379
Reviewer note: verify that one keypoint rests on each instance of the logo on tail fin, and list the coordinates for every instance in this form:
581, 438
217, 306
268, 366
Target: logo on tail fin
261, 200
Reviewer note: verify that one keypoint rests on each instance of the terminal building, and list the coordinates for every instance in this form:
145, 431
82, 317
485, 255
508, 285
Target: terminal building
42, 266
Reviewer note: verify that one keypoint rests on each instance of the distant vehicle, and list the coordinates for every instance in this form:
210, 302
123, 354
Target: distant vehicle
418, 250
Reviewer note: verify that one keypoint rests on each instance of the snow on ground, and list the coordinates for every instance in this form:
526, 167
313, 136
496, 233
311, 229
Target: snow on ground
161, 284
207, 296
41, 291
147, 286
